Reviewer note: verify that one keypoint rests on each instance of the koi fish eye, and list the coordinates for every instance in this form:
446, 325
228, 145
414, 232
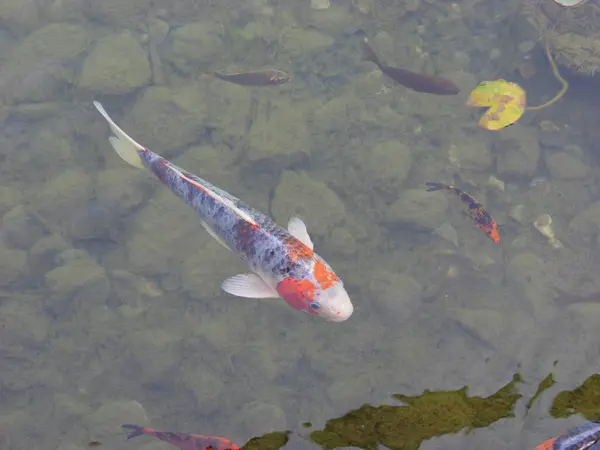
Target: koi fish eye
314, 305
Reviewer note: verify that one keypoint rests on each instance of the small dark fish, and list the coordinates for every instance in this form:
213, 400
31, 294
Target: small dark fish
94, 444
583, 437
416, 81
480, 216
266, 77
182, 440
566, 298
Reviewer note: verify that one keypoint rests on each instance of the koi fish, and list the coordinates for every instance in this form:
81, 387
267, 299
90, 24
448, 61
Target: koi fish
582, 437
419, 82
257, 78
283, 262
182, 440
480, 216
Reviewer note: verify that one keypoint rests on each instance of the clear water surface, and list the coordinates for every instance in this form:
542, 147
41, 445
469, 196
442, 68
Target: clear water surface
110, 305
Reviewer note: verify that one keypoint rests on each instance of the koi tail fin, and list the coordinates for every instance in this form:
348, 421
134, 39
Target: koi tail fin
125, 147
137, 430
368, 54
435, 186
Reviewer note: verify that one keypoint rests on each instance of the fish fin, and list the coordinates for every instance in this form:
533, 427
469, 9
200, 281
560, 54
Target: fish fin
217, 238
248, 285
368, 54
137, 430
297, 228
125, 146
435, 186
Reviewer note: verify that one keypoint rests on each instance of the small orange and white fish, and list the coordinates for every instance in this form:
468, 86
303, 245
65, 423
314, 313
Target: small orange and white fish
282, 261
582, 437
184, 441
478, 214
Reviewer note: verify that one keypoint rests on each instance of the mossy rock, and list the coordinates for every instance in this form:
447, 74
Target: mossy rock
573, 33
423, 417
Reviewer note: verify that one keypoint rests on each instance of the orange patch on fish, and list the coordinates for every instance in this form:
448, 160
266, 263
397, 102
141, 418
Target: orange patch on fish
486, 224
246, 227
296, 292
297, 250
325, 277
493, 233
547, 445
479, 215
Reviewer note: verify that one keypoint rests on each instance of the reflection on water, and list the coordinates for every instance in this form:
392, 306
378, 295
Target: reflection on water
111, 310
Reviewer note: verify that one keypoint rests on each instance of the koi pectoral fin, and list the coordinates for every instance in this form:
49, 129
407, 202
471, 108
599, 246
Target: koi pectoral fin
297, 228
215, 235
248, 285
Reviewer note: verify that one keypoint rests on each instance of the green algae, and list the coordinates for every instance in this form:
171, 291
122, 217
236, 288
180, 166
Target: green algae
544, 385
584, 400
270, 441
433, 413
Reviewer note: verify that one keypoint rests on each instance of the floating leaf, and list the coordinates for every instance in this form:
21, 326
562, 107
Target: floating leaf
506, 102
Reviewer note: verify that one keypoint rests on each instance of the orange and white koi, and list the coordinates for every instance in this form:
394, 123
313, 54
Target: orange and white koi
283, 262
582, 437
184, 441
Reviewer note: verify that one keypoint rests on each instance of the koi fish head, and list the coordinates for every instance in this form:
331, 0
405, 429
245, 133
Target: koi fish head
320, 292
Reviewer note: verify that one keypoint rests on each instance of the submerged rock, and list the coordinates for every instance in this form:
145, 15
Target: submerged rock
257, 418
117, 65
313, 201
387, 166
518, 151
279, 141
19, 16
110, 416
118, 193
153, 350
192, 46
13, 266
79, 280
205, 384
65, 11
20, 228
418, 208
587, 223
42, 255
9, 197
470, 155
169, 119
164, 232
59, 198
487, 325
118, 13
566, 167
42, 66
228, 116
531, 277
202, 275
299, 43
395, 294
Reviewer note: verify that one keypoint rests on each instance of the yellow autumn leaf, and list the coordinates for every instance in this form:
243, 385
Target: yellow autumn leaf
506, 102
